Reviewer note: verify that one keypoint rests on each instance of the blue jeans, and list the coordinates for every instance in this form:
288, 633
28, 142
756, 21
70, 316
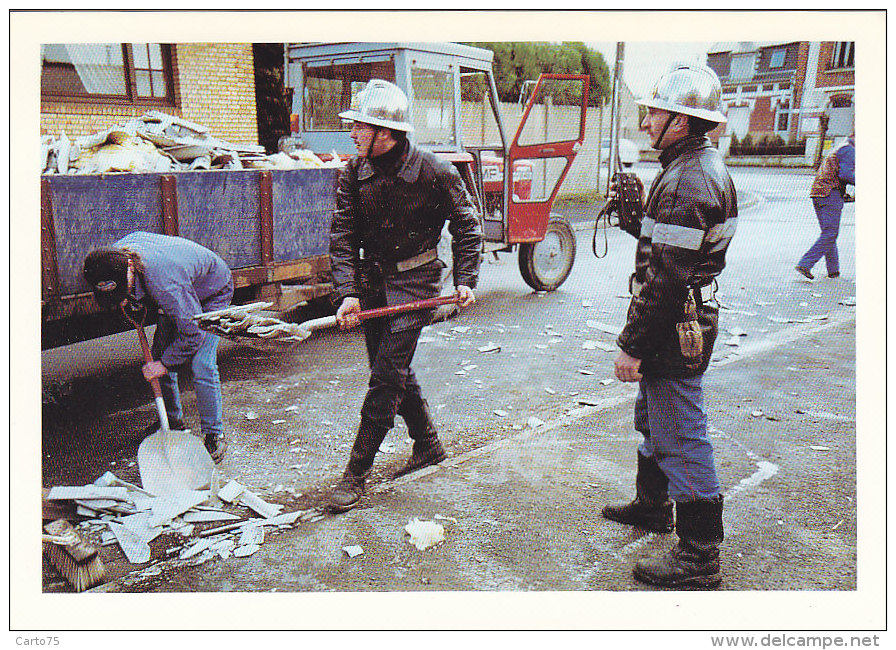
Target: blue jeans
828, 210
206, 382
669, 414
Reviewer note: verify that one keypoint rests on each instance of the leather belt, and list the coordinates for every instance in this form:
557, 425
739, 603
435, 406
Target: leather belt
703, 294
411, 263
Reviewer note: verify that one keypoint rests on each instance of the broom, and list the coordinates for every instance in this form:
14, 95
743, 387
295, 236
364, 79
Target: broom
74, 558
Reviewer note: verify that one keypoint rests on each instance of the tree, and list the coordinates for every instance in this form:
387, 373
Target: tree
517, 62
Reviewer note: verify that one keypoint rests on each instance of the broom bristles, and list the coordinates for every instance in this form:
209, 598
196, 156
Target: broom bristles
75, 559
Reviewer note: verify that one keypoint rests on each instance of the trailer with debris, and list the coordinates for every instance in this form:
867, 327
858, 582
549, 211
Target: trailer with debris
269, 216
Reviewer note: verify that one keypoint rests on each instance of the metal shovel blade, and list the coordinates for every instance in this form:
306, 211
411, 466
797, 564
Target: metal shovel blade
170, 461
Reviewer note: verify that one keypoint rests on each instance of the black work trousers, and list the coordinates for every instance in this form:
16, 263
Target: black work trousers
392, 388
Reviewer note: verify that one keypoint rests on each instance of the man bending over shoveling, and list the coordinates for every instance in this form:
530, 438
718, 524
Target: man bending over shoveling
180, 279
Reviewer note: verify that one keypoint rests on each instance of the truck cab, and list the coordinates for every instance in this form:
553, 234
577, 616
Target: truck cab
455, 112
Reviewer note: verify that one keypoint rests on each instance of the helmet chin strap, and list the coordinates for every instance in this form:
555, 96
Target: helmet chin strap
672, 116
376, 132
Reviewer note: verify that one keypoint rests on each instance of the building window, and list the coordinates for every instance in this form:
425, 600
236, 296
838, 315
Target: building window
844, 53
129, 72
777, 60
783, 121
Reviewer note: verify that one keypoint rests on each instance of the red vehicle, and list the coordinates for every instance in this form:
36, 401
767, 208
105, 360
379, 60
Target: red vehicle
448, 87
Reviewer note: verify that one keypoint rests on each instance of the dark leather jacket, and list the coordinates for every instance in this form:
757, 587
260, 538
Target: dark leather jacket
397, 214
690, 217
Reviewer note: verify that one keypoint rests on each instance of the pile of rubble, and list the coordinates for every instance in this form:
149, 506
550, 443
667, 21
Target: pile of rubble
158, 142
122, 513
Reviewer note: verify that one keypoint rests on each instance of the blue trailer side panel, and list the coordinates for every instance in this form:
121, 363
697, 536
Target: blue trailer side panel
220, 211
94, 211
303, 208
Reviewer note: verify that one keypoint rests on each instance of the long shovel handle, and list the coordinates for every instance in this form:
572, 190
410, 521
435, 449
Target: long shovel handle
154, 383
379, 312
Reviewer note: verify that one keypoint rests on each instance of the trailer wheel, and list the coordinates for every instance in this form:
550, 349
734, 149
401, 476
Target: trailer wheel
545, 265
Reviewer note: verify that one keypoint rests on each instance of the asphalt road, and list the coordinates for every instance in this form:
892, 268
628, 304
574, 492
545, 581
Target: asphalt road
539, 433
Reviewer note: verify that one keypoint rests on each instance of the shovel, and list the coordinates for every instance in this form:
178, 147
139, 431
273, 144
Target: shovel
238, 324
169, 461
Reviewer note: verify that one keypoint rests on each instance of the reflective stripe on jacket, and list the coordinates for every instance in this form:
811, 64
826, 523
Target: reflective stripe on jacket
690, 218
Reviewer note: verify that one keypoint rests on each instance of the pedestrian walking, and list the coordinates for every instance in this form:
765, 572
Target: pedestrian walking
689, 219
392, 201
179, 279
828, 193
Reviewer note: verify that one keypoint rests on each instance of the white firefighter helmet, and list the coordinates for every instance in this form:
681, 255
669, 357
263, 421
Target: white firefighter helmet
381, 103
690, 90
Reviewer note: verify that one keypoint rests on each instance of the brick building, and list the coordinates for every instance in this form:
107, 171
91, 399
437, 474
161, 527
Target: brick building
87, 88
796, 90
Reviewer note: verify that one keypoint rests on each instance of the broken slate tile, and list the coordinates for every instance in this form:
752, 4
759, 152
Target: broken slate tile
194, 549
231, 491
353, 551
87, 492
139, 524
245, 551
135, 549
169, 506
203, 516
259, 505
253, 534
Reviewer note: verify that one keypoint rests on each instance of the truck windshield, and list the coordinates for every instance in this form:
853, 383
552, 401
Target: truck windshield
329, 90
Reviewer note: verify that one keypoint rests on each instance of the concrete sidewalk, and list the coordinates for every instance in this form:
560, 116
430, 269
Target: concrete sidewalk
523, 513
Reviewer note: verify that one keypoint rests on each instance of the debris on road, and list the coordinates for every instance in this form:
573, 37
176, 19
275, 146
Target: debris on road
603, 327
849, 302
127, 515
491, 347
353, 551
819, 448
424, 534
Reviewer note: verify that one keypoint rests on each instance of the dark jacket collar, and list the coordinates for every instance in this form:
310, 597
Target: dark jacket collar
688, 143
408, 166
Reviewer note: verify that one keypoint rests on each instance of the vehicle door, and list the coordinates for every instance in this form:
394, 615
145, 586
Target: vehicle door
551, 132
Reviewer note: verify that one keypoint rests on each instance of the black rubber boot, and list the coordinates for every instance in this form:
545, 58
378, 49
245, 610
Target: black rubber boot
651, 508
694, 562
350, 489
427, 449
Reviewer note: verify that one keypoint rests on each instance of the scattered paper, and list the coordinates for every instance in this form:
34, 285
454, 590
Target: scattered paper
353, 551
424, 534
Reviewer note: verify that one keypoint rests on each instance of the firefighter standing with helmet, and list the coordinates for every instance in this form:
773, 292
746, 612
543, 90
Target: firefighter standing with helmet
690, 217
392, 201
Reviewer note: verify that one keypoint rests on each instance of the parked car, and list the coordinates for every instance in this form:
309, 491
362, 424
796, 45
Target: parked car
629, 152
